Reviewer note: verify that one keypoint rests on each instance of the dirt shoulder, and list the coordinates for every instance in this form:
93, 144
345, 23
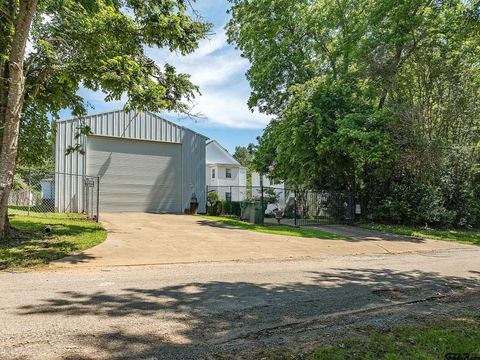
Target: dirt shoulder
300, 340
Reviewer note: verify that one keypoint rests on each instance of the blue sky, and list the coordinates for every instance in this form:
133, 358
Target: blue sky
219, 70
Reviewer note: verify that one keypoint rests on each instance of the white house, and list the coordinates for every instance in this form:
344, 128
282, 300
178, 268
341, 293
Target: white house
270, 185
225, 175
267, 182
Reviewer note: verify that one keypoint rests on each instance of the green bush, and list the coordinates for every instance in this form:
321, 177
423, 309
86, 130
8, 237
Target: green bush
214, 206
462, 197
231, 208
418, 204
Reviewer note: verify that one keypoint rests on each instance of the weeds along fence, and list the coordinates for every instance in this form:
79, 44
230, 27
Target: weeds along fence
39, 191
280, 204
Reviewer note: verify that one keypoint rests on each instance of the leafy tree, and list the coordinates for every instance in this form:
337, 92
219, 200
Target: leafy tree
377, 97
214, 205
271, 35
244, 155
97, 44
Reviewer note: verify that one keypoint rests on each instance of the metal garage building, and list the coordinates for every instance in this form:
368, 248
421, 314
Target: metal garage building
144, 163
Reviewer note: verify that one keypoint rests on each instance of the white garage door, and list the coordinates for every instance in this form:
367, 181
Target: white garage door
136, 175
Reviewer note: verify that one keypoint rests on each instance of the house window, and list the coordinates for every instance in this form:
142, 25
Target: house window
213, 173
228, 196
228, 173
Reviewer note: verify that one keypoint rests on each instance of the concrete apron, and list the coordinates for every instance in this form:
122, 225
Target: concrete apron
155, 239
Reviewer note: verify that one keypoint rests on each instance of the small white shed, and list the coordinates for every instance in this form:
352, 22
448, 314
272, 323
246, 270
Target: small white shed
47, 189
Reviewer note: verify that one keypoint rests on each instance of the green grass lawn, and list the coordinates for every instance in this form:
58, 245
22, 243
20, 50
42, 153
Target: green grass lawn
276, 229
467, 237
31, 247
423, 341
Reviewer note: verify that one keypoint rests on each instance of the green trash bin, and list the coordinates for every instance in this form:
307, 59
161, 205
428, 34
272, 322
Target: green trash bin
253, 212
259, 213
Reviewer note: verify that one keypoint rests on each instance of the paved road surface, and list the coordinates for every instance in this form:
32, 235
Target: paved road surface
191, 310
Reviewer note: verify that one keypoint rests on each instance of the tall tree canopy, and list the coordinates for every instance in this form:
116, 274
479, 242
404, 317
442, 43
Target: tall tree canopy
97, 44
377, 97
244, 155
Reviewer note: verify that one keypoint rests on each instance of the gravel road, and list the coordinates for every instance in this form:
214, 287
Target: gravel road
196, 310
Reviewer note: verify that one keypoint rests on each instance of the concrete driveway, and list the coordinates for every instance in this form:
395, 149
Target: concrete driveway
154, 239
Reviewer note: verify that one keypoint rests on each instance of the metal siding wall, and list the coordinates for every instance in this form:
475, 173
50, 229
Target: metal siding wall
144, 125
194, 169
69, 169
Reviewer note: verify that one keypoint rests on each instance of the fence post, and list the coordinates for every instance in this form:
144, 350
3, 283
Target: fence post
262, 199
351, 206
85, 196
28, 189
295, 207
98, 198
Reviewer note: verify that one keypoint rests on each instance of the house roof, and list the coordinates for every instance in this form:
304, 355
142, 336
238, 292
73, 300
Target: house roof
217, 154
135, 111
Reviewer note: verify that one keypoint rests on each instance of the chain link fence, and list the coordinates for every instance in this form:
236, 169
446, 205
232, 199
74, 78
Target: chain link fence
281, 205
37, 191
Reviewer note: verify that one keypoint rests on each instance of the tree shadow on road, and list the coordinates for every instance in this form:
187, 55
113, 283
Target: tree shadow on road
189, 320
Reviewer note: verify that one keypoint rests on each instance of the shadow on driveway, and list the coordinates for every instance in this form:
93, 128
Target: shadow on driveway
357, 233
198, 317
351, 233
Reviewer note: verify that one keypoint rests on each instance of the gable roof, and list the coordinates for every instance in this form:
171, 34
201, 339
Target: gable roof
103, 116
217, 154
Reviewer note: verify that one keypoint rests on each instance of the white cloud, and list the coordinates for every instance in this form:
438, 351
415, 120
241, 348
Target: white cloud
219, 71
228, 109
211, 44
216, 70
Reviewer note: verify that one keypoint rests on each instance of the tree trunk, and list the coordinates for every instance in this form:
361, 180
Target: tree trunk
388, 83
14, 107
3, 96
3, 104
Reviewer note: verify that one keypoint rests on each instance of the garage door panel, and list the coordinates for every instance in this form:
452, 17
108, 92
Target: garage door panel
136, 183
136, 175
129, 206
